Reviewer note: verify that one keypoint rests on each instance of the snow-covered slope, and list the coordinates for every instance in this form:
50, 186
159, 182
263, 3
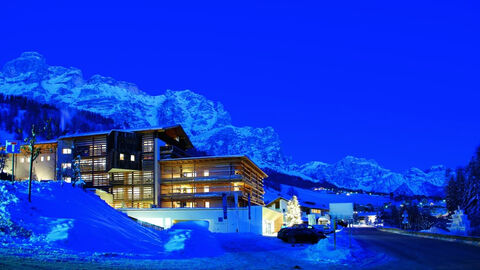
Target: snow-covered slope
360, 173
207, 122
69, 218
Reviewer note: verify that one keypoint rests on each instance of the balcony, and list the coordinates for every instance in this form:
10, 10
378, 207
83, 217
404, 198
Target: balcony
192, 177
201, 192
171, 151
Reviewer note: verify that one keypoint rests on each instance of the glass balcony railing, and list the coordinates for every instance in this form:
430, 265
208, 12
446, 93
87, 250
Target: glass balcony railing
185, 191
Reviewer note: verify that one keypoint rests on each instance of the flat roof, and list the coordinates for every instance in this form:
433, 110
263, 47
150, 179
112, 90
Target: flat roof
244, 157
177, 128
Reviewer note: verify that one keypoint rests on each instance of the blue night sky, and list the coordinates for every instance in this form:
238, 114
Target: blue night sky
398, 83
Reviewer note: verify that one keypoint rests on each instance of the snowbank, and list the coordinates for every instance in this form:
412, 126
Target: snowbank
194, 235
325, 250
65, 217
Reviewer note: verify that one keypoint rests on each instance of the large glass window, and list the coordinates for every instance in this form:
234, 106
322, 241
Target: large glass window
66, 151
147, 146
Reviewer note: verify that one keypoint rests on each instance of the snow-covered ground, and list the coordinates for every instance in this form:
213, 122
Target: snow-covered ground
66, 226
322, 198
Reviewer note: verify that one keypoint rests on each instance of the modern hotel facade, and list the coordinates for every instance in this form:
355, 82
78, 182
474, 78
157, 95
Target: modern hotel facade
148, 168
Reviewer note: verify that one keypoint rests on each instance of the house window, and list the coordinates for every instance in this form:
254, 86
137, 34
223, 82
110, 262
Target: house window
22, 160
207, 204
48, 158
206, 189
206, 173
66, 165
68, 179
66, 151
132, 157
122, 156
42, 159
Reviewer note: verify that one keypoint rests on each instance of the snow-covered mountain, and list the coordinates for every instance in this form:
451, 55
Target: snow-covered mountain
360, 173
208, 124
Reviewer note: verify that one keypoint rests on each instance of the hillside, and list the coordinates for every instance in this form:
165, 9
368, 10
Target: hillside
208, 124
68, 218
18, 113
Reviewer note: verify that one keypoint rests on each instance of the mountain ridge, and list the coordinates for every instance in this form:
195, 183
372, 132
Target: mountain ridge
207, 123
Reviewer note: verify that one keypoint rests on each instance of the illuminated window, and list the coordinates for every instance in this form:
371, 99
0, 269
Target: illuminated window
132, 157
22, 160
189, 174
68, 179
42, 159
28, 159
206, 189
206, 173
207, 204
66, 151
122, 156
148, 146
66, 165
236, 187
48, 158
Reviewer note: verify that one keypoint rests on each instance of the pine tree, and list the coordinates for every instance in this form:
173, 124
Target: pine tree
294, 214
453, 196
77, 173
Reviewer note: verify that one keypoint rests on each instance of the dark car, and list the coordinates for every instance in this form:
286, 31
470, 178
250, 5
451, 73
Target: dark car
325, 229
300, 234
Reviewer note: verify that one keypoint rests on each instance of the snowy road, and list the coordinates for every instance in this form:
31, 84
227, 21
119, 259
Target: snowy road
408, 252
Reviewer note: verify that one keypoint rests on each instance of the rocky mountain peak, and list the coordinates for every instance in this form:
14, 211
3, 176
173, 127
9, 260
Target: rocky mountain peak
207, 122
28, 62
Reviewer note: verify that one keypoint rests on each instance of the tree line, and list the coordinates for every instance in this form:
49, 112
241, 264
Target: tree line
18, 114
463, 191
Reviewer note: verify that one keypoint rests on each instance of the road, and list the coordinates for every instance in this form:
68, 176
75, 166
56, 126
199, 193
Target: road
409, 252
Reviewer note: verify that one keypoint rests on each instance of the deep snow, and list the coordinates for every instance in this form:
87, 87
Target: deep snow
72, 226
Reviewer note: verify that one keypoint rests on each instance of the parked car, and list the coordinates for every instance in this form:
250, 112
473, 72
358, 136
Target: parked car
300, 234
325, 229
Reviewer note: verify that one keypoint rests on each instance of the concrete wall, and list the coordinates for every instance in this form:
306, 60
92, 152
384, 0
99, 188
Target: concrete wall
237, 218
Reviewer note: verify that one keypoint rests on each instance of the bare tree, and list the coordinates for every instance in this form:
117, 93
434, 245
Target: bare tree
31, 149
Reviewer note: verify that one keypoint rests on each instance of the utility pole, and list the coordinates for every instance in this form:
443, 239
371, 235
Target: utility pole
334, 234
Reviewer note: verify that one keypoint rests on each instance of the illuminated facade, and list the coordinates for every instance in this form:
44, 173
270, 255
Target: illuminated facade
144, 168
